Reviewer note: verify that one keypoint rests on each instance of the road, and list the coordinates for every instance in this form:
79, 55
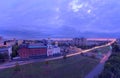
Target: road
12, 64
98, 69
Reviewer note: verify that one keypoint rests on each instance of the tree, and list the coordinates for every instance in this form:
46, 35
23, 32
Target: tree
14, 50
115, 47
64, 54
5, 42
17, 67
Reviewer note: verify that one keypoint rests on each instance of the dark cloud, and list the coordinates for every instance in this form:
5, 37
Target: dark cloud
59, 18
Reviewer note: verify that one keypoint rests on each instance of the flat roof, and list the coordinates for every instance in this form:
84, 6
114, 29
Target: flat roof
36, 46
3, 49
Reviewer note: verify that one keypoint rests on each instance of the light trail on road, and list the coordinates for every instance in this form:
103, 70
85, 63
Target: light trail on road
56, 58
88, 50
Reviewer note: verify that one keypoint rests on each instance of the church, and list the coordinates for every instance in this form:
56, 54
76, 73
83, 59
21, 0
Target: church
53, 50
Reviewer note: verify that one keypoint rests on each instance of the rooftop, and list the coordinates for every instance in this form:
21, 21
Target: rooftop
32, 46
3, 49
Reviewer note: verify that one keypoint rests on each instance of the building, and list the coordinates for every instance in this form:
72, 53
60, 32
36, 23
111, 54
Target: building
39, 49
6, 51
53, 49
1, 39
31, 51
80, 41
20, 42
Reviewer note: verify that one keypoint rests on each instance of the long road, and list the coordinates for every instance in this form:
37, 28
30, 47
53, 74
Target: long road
98, 69
12, 64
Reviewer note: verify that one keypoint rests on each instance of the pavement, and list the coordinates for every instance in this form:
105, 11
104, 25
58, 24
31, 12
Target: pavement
98, 69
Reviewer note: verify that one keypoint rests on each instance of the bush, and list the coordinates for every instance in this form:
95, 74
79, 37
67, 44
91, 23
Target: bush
93, 56
112, 67
46, 62
17, 67
82, 54
105, 74
114, 59
64, 57
14, 51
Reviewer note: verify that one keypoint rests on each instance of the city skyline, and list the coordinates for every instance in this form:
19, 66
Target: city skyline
59, 18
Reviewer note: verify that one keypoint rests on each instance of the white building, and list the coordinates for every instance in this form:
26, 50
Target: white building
52, 50
56, 49
20, 42
7, 50
1, 41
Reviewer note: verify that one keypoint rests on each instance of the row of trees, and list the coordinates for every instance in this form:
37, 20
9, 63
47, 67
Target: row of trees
78, 46
4, 56
112, 66
14, 50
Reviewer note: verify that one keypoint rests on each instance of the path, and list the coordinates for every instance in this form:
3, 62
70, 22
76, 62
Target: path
98, 69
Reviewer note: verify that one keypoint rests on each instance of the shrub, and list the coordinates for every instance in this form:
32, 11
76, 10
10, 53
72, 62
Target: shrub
46, 62
17, 67
64, 57
105, 74
112, 67
93, 56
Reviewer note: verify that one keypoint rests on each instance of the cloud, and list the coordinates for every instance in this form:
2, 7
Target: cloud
75, 6
58, 18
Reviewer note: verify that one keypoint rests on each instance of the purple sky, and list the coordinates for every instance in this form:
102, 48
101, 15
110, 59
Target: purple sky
59, 18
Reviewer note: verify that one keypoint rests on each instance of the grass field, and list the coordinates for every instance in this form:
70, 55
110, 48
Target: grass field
103, 50
72, 67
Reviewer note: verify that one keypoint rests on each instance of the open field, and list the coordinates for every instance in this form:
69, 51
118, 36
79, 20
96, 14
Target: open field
103, 50
72, 67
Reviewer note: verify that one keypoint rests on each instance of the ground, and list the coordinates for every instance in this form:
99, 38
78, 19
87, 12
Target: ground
104, 50
73, 67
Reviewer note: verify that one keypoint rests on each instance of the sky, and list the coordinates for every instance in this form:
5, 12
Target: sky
59, 18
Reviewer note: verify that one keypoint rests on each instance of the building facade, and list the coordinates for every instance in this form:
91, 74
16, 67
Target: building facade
80, 41
53, 49
32, 51
6, 53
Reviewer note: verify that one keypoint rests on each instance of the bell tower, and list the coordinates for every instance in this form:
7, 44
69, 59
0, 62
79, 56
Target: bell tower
56, 44
49, 44
49, 47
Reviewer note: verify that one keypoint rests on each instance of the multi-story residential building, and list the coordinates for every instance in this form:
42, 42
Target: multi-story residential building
80, 41
7, 51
